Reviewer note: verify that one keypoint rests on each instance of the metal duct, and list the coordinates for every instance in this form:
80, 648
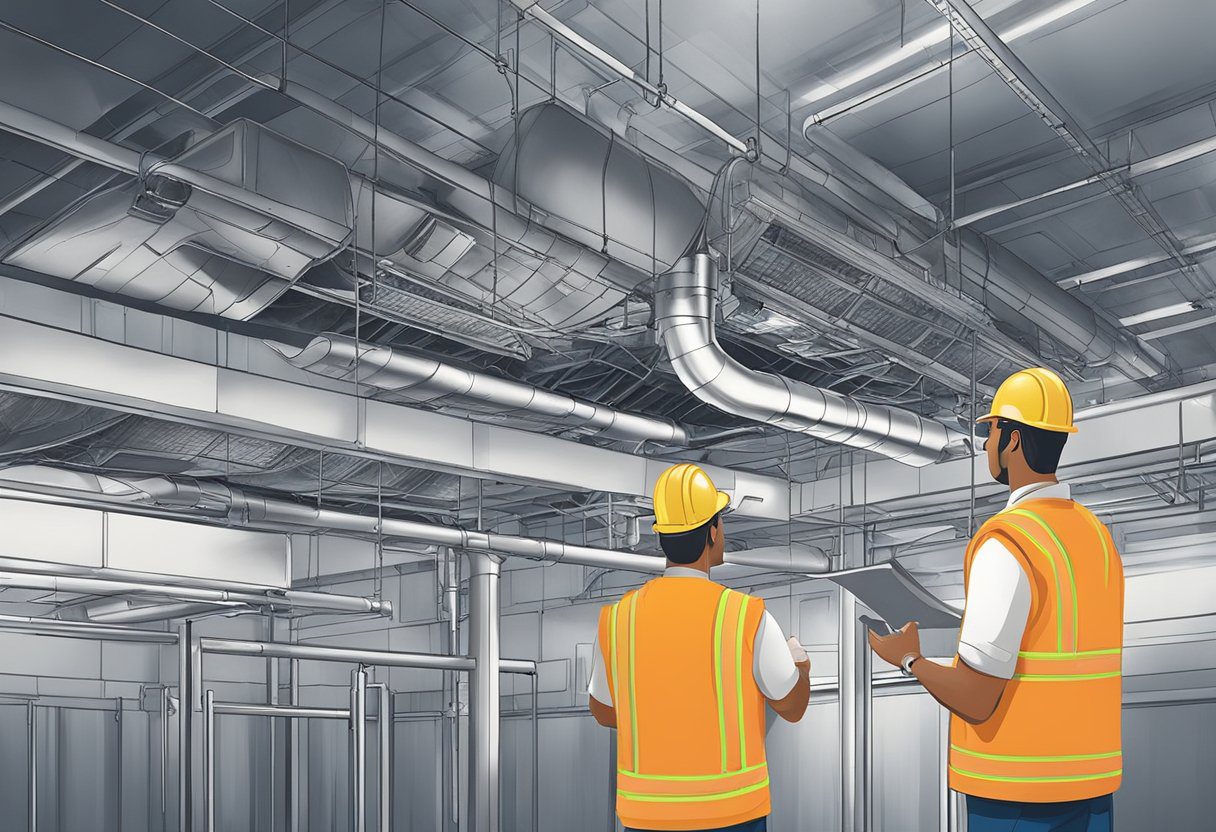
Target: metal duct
991, 271
31, 423
235, 505
559, 279
583, 183
685, 305
223, 228
421, 379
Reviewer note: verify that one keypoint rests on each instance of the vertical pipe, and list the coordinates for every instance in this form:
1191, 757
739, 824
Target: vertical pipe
484, 705
385, 724
358, 748
974, 414
120, 768
454, 681
855, 690
943, 772
293, 753
209, 761
164, 757
272, 696
31, 721
185, 718
536, 752
847, 677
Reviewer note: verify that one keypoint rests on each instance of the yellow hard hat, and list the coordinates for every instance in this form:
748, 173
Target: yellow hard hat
684, 498
1035, 397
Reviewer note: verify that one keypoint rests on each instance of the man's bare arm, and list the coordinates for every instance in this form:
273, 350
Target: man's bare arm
793, 705
961, 689
604, 714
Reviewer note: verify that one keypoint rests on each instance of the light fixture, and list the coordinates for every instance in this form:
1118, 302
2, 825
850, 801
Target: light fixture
1161, 312
935, 36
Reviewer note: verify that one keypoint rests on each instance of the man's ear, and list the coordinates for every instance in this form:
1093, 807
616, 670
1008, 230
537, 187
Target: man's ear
1015, 441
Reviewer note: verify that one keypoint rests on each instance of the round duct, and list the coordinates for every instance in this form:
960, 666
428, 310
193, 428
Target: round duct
595, 189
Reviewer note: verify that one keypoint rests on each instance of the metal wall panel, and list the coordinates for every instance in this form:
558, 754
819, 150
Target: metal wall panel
14, 767
908, 764
417, 784
1169, 762
804, 765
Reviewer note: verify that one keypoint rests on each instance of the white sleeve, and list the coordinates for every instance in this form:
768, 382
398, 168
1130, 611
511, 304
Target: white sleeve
772, 664
998, 606
599, 689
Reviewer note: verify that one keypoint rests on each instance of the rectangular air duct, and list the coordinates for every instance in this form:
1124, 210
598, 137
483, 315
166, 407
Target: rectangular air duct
223, 228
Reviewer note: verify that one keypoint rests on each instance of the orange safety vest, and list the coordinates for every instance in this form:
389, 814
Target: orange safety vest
1055, 735
690, 717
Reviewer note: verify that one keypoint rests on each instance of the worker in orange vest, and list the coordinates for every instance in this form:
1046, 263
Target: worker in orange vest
683, 669
1035, 690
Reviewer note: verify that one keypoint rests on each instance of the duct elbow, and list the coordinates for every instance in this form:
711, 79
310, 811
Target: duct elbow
685, 302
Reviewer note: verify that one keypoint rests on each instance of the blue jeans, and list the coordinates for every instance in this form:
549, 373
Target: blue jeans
1093, 815
757, 825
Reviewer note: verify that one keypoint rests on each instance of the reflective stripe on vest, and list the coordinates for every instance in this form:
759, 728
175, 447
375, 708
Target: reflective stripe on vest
737, 786
1055, 734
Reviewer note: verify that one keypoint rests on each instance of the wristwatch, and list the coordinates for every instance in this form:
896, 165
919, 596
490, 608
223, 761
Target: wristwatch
905, 665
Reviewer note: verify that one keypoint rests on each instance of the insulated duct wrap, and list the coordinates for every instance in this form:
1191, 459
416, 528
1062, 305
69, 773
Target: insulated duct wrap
685, 305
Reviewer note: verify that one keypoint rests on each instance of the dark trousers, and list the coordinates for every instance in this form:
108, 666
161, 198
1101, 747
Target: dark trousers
1093, 815
757, 825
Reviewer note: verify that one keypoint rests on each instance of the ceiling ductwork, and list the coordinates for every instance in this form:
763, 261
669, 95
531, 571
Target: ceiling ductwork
1013, 291
223, 228
219, 501
485, 244
992, 272
29, 424
419, 379
580, 181
685, 306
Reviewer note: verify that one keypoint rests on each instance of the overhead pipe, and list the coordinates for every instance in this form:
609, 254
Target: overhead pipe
379, 658
284, 599
128, 613
685, 305
82, 630
235, 505
426, 379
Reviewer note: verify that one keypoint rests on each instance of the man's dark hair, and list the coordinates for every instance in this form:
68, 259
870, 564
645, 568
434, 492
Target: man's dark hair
1042, 448
687, 547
